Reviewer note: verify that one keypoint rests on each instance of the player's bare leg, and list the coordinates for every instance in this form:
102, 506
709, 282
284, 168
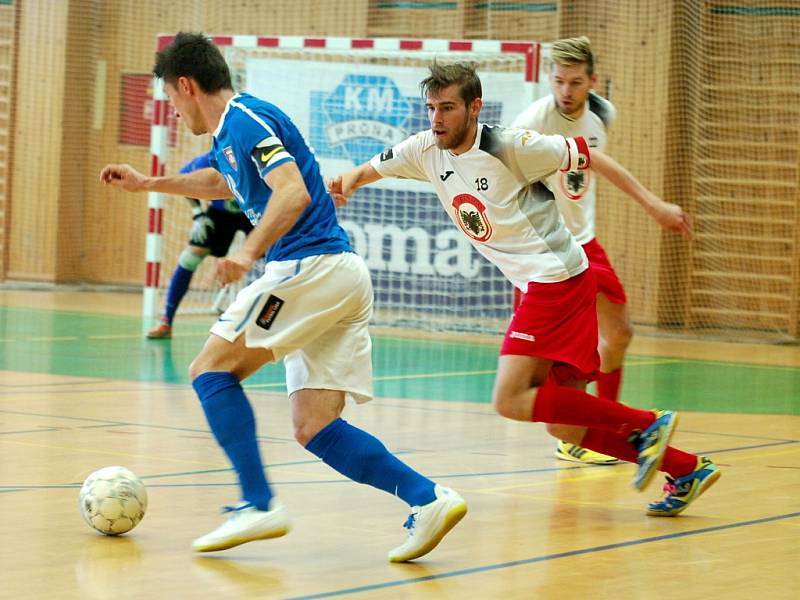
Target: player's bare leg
615, 333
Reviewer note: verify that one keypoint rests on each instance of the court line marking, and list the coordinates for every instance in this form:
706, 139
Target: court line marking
85, 450
544, 558
584, 472
737, 435
395, 377
101, 422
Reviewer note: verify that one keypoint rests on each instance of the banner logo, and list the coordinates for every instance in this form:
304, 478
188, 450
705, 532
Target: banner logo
359, 118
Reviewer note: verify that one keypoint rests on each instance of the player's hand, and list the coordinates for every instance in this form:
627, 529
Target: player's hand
123, 176
202, 227
336, 191
229, 269
673, 218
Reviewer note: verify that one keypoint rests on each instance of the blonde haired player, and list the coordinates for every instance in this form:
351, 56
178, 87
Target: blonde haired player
574, 109
489, 181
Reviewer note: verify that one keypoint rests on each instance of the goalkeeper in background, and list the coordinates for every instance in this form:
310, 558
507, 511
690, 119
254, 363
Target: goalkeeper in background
212, 233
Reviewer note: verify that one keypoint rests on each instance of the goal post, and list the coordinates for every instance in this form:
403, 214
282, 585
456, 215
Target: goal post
352, 98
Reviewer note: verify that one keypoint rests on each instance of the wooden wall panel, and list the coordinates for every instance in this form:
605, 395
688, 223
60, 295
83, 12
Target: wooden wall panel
38, 119
529, 20
7, 62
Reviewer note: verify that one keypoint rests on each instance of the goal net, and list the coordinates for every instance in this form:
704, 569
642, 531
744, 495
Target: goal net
351, 99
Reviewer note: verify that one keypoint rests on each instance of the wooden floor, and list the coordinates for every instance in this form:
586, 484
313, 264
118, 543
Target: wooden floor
536, 528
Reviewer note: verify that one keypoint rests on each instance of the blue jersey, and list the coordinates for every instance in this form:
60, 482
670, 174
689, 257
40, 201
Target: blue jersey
204, 162
253, 138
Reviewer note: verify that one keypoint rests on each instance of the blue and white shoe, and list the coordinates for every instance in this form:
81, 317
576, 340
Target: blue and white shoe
651, 444
682, 491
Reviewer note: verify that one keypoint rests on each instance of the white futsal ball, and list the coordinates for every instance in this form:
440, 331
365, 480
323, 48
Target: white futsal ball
113, 500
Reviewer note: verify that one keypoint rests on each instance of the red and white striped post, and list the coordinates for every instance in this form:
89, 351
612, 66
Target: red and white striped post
155, 204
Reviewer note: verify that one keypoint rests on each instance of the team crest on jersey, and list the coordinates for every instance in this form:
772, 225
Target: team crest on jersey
470, 214
574, 184
228, 152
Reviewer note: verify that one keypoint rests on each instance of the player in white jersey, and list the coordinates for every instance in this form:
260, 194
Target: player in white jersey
574, 109
489, 181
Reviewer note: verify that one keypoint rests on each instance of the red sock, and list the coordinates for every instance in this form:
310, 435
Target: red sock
571, 406
608, 384
676, 462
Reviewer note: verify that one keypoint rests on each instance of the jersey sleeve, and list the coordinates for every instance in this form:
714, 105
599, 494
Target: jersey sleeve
260, 136
540, 155
403, 160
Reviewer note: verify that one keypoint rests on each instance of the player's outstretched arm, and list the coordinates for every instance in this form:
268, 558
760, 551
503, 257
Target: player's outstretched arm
205, 184
342, 186
670, 216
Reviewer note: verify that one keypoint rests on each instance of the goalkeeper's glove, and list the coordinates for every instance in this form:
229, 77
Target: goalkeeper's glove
202, 226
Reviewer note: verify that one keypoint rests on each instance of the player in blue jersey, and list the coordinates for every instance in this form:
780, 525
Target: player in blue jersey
212, 232
311, 307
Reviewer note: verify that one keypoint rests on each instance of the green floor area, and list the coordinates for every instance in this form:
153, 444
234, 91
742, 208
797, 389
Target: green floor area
104, 346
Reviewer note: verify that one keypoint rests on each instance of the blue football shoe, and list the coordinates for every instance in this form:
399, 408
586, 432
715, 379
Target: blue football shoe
651, 444
682, 491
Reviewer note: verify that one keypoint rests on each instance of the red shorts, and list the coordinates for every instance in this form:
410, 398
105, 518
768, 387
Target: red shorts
558, 321
608, 283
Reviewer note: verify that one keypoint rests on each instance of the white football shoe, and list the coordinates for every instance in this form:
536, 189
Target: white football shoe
245, 524
428, 524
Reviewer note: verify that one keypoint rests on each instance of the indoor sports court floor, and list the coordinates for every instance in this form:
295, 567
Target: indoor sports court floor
81, 389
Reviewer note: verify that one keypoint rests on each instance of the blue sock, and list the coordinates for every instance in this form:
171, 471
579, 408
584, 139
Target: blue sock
178, 286
233, 424
363, 458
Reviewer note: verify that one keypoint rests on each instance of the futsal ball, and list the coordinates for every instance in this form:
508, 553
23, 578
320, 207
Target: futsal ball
113, 500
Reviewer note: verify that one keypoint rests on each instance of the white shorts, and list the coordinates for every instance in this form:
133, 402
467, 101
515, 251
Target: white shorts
313, 313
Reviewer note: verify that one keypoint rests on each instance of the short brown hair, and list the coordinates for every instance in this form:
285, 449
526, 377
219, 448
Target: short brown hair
573, 51
460, 73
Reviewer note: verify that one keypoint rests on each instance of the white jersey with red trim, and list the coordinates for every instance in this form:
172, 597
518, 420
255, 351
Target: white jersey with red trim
493, 192
575, 190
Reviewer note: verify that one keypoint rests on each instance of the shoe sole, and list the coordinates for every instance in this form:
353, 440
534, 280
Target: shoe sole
233, 542
662, 449
704, 485
158, 336
454, 515
575, 459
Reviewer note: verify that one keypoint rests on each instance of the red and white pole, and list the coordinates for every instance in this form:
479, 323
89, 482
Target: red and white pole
155, 204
